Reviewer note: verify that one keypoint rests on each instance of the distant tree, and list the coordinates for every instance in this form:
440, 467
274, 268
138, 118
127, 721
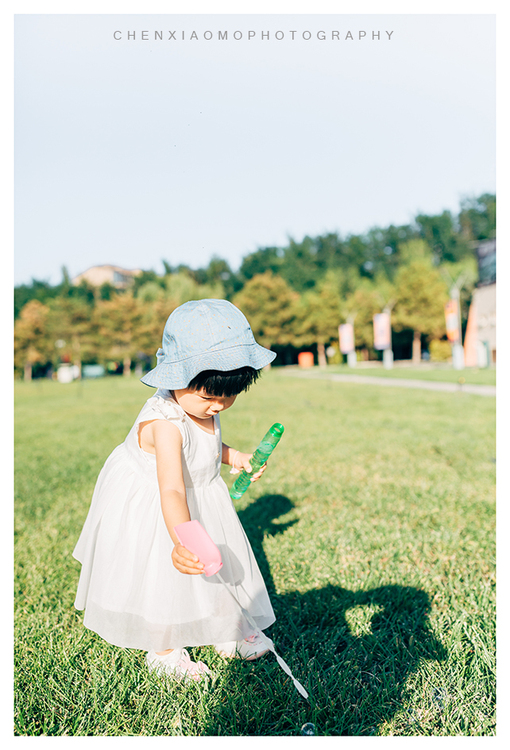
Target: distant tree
413, 249
168, 268
262, 260
217, 270
151, 291
155, 313
84, 291
359, 255
66, 279
70, 322
185, 270
43, 291
271, 308
385, 290
181, 287
106, 291
219, 273
119, 322
329, 252
477, 217
320, 311
421, 293
145, 277
442, 234
350, 281
300, 268
303, 265
39, 290
383, 245
32, 343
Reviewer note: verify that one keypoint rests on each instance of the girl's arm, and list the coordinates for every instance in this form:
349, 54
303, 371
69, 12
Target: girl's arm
167, 444
239, 460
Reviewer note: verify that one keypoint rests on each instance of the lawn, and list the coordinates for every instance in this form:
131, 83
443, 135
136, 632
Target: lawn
374, 528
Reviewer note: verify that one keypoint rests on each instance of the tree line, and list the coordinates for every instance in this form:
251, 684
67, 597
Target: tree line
294, 296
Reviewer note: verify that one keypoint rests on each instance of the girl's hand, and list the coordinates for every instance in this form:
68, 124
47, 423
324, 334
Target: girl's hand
243, 462
185, 561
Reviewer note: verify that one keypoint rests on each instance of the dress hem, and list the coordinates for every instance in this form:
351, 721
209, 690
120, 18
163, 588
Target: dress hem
132, 631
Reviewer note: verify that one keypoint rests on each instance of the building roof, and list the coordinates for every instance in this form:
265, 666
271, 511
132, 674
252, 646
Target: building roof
111, 274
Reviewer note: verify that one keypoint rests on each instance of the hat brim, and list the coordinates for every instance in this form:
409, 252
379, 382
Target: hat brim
180, 374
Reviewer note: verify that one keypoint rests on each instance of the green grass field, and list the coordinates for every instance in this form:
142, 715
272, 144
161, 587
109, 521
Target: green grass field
374, 528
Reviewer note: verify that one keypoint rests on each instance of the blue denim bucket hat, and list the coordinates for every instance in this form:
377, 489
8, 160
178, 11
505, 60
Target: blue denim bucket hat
207, 334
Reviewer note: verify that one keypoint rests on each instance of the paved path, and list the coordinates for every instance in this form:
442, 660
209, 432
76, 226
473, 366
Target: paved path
431, 385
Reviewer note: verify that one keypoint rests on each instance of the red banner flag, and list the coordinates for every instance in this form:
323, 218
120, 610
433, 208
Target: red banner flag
451, 313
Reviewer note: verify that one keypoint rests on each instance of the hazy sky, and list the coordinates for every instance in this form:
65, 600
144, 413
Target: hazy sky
129, 151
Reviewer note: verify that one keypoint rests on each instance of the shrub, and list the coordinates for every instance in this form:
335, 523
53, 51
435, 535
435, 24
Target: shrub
440, 351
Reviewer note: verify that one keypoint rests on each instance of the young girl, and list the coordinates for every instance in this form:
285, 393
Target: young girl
139, 586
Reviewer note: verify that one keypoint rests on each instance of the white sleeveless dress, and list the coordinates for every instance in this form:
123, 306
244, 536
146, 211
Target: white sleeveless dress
132, 594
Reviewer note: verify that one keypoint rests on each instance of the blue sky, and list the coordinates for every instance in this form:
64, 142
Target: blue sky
129, 151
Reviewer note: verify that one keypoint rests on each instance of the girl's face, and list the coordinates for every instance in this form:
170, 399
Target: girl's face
201, 404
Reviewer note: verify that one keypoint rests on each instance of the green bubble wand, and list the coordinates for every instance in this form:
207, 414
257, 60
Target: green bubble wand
259, 458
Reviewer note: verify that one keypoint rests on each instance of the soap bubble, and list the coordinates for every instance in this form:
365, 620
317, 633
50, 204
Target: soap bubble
308, 730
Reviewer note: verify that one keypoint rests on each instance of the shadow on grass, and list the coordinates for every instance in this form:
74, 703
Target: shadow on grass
353, 662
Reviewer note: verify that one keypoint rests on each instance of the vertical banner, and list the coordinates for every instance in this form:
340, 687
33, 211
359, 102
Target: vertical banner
346, 338
382, 331
451, 313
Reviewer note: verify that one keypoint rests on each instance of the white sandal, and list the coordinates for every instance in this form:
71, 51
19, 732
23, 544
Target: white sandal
250, 648
177, 664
